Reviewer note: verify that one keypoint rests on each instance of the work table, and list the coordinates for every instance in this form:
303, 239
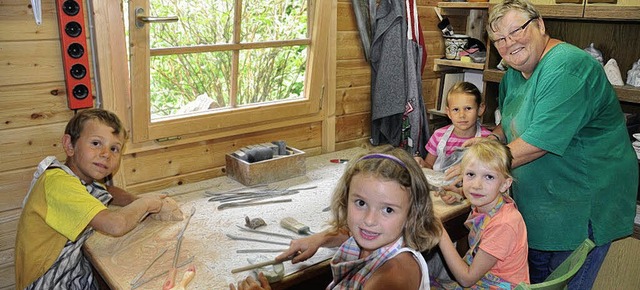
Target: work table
119, 260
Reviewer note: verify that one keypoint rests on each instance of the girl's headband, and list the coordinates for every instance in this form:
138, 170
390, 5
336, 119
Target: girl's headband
384, 156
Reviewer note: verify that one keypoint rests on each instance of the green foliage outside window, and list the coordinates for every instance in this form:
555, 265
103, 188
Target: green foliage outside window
264, 75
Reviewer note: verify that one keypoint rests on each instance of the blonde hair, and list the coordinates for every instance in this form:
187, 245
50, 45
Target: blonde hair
501, 9
465, 88
491, 153
422, 229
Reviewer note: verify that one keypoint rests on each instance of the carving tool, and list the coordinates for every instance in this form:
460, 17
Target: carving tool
170, 282
142, 282
136, 278
237, 238
295, 226
265, 233
250, 203
245, 251
259, 265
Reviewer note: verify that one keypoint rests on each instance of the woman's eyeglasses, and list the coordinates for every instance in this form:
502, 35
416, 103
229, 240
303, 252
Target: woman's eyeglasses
513, 35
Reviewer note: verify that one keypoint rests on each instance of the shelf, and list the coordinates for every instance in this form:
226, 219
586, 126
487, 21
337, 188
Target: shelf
437, 113
464, 5
492, 75
441, 64
629, 94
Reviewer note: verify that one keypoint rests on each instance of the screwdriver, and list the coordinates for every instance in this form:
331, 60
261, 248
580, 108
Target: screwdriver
292, 224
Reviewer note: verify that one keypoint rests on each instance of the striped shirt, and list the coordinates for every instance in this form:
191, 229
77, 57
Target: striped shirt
453, 142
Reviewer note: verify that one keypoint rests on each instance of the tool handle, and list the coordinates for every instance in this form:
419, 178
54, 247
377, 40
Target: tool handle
437, 10
292, 224
259, 265
171, 279
254, 266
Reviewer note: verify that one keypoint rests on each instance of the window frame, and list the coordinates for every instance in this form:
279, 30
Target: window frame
246, 119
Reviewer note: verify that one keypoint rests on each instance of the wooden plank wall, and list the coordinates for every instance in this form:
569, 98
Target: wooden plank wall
33, 113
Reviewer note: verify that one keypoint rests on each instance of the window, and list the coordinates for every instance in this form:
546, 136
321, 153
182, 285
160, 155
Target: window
225, 64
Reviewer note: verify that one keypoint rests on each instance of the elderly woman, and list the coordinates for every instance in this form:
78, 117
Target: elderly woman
576, 174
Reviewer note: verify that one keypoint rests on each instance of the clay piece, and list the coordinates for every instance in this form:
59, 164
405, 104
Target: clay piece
273, 273
597, 54
612, 71
633, 75
170, 211
254, 223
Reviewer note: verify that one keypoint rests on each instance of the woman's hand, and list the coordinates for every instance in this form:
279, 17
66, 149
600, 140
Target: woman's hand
250, 284
476, 140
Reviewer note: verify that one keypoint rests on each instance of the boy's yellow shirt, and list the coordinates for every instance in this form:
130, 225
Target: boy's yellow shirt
59, 209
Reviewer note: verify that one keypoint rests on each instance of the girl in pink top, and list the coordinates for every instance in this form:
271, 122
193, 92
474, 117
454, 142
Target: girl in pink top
497, 256
464, 106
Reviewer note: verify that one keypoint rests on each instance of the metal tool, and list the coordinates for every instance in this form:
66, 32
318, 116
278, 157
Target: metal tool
250, 203
142, 282
172, 273
265, 233
137, 277
237, 238
295, 226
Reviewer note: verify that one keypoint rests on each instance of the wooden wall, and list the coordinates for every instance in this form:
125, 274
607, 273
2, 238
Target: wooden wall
33, 113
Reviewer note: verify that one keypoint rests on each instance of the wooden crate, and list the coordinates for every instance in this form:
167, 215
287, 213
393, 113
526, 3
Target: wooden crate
278, 168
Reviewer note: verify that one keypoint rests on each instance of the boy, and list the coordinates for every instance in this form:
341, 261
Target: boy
66, 203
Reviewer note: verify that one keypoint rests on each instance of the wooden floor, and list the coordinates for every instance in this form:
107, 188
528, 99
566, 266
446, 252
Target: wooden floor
621, 267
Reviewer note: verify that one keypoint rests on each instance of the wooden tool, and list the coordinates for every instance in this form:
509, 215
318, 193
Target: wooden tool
292, 224
259, 265
241, 251
186, 278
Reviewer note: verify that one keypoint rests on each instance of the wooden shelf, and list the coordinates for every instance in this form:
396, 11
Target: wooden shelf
437, 113
492, 75
626, 93
464, 5
629, 94
443, 64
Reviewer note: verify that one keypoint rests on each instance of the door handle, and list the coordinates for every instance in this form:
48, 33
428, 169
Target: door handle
141, 20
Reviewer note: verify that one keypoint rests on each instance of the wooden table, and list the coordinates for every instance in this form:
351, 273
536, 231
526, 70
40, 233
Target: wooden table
119, 260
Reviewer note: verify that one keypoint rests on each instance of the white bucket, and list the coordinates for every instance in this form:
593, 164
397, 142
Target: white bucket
454, 44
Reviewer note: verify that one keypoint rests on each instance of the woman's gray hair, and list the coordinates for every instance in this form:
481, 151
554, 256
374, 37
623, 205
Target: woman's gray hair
500, 10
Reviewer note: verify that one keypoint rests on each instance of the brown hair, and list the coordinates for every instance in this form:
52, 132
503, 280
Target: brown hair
76, 124
423, 229
466, 88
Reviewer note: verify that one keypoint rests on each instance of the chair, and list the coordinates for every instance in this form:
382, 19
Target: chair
561, 276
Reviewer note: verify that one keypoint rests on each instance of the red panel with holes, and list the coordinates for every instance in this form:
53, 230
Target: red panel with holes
75, 55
